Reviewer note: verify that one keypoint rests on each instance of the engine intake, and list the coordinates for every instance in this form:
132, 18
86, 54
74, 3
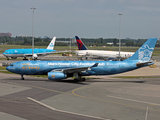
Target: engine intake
56, 75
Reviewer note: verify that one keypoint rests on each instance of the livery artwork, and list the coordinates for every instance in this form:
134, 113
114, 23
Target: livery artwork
145, 53
79, 44
51, 45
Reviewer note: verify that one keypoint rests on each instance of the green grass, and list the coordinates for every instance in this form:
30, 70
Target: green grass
7, 72
42, 76
2, 68
62, 48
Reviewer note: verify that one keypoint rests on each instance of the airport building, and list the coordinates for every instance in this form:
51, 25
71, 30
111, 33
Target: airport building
5, 34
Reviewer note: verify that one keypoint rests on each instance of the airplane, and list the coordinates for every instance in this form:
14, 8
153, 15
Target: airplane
14, 53
83, 51
58, 70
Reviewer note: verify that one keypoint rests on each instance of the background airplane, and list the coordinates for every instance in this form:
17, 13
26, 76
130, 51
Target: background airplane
14, 53
83, 51
57, 70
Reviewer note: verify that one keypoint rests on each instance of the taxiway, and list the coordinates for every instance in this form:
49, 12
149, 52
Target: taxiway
96, 98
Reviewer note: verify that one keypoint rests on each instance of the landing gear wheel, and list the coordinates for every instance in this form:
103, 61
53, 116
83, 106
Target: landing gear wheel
83, 79
76, 80
22, 78
25, 58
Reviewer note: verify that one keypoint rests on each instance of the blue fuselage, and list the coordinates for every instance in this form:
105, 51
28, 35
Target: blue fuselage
25, 52
43, 67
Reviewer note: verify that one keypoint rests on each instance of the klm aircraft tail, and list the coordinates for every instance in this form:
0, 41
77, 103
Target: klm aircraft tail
144, 53
80, 44
51, 44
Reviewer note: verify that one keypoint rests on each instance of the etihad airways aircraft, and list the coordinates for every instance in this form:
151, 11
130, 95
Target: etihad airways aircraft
57, 70
14, 53
83, 51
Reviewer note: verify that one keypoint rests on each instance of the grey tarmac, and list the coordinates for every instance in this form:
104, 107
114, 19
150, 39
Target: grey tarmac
97, 98
14, 100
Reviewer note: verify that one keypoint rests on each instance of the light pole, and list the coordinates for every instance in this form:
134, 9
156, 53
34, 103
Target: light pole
119, 34
33, 34
70, 48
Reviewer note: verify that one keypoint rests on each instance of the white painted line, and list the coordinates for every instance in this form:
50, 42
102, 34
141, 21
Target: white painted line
41, 103
65, 111
134, 100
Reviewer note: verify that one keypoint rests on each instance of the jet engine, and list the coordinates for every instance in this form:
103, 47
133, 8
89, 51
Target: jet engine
35, 56
56, 75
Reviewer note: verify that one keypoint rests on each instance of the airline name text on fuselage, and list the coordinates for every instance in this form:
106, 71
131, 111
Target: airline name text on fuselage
75, 64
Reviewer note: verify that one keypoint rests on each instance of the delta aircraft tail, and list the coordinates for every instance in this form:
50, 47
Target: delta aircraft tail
144, 53
51, 44
80, 44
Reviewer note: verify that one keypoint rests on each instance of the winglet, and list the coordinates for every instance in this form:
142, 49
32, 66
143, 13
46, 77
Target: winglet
95, 65
51, 44
144, 53
80, 44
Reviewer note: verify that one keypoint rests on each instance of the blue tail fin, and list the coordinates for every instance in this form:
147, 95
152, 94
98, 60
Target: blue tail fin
80, 44
144, 53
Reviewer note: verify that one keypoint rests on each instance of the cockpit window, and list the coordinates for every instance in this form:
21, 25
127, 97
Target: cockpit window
11, 65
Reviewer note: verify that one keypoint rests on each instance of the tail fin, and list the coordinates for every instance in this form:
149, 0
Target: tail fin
51, 44
80, 44
144, 53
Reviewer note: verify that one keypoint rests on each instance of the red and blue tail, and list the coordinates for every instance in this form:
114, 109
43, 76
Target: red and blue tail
80, 44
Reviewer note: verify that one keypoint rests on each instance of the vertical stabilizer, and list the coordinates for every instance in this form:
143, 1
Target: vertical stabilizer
51, 44
144, 53
80, 44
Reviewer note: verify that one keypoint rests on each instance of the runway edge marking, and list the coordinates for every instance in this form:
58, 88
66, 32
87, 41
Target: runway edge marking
47, 106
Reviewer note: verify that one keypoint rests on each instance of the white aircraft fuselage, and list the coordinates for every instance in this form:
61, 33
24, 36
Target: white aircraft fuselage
101, 53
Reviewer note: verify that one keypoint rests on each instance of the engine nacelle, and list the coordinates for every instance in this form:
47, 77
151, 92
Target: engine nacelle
56, 75
35, 56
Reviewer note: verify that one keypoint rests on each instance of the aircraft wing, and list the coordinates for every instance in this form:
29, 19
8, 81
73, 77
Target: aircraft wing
140, 64
38, 54
60, 51
77, 69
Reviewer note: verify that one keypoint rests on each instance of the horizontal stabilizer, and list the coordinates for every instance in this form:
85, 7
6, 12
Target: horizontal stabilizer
95, 65
139, 64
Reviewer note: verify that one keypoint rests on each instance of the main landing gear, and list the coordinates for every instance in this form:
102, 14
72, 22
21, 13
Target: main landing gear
25, 58
22, 78
78, 78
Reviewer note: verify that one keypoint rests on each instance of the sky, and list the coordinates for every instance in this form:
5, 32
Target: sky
84, 18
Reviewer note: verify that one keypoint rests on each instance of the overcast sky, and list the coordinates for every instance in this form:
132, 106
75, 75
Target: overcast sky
85, 18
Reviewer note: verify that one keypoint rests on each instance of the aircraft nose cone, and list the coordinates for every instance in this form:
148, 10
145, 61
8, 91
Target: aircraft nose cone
7, 68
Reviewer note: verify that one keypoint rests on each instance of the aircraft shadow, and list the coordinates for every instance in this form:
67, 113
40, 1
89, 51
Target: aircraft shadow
25, 79
131, 81
46, 80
